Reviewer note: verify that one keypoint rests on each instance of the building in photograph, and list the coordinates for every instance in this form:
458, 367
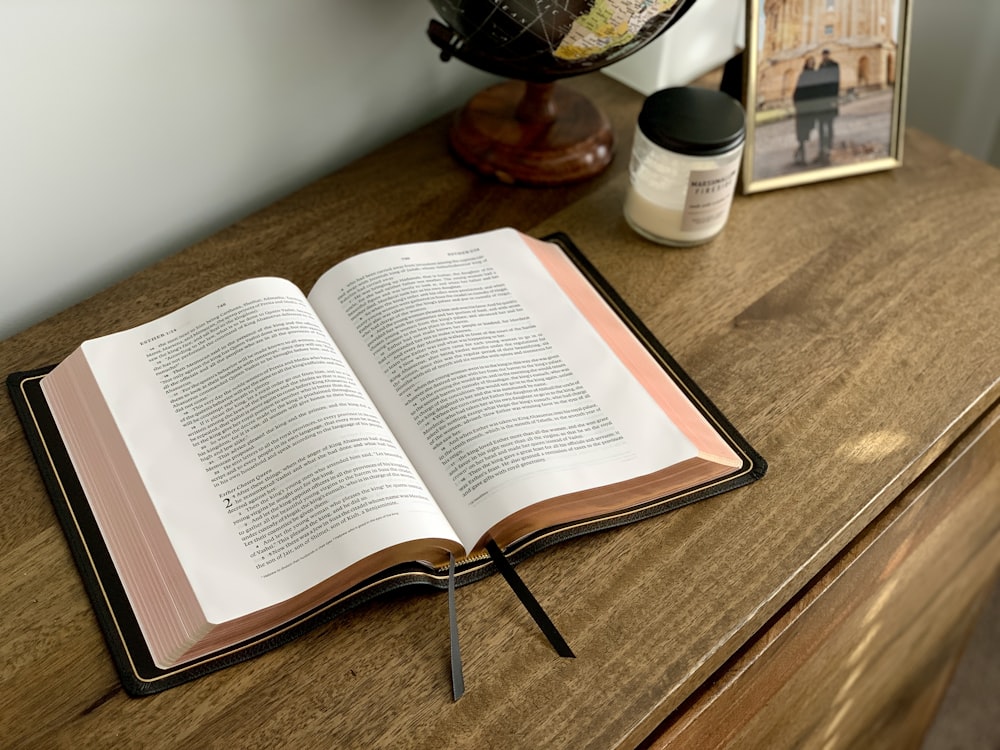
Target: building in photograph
860, 35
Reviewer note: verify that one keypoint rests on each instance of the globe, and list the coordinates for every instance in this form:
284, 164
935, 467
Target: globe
544, 40
530, 130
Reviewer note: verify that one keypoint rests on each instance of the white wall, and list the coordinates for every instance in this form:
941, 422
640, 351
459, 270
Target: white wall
954, 88
131, 128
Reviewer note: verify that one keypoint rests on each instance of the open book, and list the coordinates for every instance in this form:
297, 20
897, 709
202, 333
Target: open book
245, 466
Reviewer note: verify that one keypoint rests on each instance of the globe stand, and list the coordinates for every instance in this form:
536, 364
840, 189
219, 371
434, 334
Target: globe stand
532, 133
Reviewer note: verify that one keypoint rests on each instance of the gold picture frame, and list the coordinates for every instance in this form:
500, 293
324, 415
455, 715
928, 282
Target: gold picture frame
798, 129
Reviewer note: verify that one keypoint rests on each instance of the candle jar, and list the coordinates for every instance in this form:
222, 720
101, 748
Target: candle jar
684, 166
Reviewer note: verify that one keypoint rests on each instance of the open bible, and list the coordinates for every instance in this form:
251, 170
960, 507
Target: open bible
242, 468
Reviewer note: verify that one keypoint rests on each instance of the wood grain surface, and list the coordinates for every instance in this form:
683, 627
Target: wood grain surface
862, 657
848, 328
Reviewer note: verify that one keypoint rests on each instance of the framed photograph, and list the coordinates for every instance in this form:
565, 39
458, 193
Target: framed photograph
824, 91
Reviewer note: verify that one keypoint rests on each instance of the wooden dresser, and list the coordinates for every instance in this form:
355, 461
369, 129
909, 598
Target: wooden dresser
850, 329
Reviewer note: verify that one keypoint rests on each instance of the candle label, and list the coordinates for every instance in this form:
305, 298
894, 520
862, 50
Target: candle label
709, 195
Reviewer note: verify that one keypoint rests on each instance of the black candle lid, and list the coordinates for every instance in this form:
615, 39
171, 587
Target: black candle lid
694, 121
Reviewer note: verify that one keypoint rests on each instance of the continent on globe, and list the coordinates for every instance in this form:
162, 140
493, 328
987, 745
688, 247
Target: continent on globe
609, 24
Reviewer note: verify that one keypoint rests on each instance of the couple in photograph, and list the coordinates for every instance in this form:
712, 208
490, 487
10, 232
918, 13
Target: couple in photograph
816, 105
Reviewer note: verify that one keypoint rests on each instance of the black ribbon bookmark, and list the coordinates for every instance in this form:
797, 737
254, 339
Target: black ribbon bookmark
457, 680
528, 600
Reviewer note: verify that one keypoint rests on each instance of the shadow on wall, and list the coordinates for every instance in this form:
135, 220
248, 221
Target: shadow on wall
953, 66
131, 130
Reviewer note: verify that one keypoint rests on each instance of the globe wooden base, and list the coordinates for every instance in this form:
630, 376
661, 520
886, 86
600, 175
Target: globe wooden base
532, 134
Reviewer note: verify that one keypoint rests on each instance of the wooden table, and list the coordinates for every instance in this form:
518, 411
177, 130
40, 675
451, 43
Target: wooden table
850, 329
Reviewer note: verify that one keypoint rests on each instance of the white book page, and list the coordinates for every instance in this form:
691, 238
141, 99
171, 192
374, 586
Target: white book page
497, 387
267, 464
